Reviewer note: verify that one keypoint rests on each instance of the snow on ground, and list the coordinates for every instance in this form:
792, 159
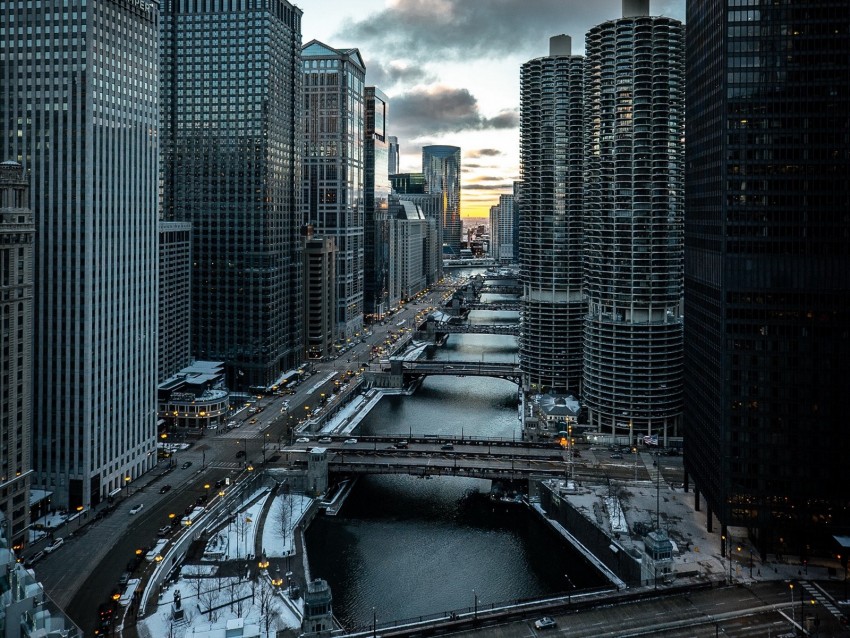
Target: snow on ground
284, 515
616, 515
237, 539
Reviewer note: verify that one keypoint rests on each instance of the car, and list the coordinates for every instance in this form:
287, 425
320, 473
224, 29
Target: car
349, 441
219, 483
401, 445
186, 465
32, 560
124, 579
447, 446
54, 545
212, 426
240, 454
136, 508
616, 456
325, 439
253, 421
545, 623
165, 530
164, 488
302, 439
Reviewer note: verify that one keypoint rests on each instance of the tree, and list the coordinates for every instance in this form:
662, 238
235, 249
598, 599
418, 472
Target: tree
208, 601
267, 597
284, 516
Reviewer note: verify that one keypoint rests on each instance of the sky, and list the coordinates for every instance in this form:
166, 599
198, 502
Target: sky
451, 71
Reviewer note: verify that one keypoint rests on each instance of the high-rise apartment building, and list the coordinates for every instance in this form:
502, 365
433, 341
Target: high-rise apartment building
633, 214
408, 247
333, 168
767, 268
79, 111
17, 237
550, 229
231, 96
376, 194
320, 292
175, 298
441, 166
505, 236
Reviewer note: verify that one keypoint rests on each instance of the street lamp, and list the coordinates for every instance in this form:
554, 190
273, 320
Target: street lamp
127, 484
793, 621
475, 607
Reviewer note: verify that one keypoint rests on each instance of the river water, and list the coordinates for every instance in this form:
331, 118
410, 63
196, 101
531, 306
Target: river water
409, 547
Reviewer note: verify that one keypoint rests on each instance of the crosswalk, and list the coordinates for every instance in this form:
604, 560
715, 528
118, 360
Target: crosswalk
816, 593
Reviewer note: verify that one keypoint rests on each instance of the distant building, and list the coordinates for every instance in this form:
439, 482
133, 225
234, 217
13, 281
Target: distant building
80, 113
634, 169
767, 270
408, 249
494, 247
432, 208
551, 213
320, 296
231, 82
17, 238
392, 155
195, 397
408, 183
503, 237
333, 168
175, 297
441, 166
376, 193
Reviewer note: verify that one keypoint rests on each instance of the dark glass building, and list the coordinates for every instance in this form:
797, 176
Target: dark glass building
376, 194
767, 268
441, 166
231, 135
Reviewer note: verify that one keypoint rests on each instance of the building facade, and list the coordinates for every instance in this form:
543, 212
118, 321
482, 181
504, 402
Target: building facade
441, 167
320, 295
231, 96
376, 194
80, 112
175, 298
505, 236
431, 206
633, 216
767, 269
550, 228
333, 169
408, 250
17, 238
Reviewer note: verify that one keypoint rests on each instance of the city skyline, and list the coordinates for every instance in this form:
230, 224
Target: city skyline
452, 76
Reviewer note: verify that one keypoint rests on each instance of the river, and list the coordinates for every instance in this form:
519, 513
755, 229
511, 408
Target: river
409, 547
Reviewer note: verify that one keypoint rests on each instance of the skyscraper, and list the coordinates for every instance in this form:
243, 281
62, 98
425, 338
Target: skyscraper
17, 237
79, 111
767, 268
633, 214
231, 95
333, 168
175, 298
550, 233
441, 166
376, 194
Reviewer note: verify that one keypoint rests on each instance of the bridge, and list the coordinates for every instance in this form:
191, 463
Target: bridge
444, 327
515, 306
501, 289
469, 263
508, 371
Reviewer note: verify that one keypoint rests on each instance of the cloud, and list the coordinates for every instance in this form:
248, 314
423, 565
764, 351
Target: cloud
487, 178
484, 152
387, 75
506, 186
442, 109
463, 29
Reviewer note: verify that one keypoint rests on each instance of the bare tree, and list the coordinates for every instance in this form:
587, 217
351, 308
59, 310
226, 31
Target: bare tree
267, 597
284, 516
208, 601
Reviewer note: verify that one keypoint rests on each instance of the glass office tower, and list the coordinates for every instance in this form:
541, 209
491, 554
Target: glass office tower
376, 195
333, 168
79, 111
767, 268
441, 166
231, 98
550, 226
634, 116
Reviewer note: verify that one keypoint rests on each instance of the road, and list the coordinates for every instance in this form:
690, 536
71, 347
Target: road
85, 571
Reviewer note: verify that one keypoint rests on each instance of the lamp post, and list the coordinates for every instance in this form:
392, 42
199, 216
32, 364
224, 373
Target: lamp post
374, 623
793, 617
475, 606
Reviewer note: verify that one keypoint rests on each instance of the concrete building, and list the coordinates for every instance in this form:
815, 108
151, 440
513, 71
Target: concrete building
633, 215
376, 194
232, 125
550, 226
408, 232
767, 270
503, 236
431, 207
318, 609
493, 248
194, 398
175, 298
320, 297
17, 238
80, 113
441, 167
333, 168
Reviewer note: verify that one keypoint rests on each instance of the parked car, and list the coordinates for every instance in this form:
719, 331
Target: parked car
302, 439
136, 508
325, 439
616, 456
401, 445
349, 441
54, 545
545, 623
447, 446
187, 464
164, 488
